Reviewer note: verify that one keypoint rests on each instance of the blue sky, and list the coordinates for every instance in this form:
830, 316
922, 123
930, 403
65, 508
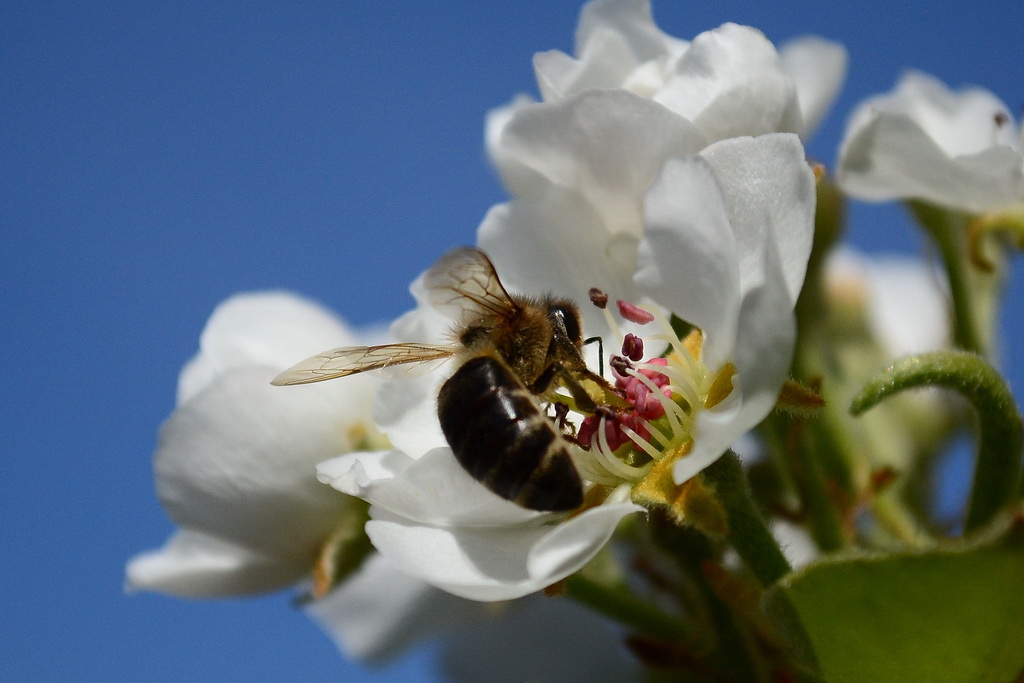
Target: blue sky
157, 157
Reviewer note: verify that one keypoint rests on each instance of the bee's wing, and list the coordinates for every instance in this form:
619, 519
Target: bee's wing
349, 360
464, 284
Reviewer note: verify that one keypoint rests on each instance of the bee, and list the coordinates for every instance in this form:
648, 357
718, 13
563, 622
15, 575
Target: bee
513, 352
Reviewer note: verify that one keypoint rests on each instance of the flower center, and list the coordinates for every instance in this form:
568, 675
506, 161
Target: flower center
641, 435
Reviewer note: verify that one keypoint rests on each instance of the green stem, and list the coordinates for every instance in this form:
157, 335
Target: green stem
950, 234
801, 461
826, 525
1000, 429
747, 530
720, 627
617, 603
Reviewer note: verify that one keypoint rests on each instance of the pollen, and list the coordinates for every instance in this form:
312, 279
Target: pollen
639, 437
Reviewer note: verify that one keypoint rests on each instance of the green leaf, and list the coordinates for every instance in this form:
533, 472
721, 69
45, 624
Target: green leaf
955, 614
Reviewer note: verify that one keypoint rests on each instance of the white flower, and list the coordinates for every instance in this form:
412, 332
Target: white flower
235, 467
615, 188
885, 307
235, 470
729, 81
538, 638
434, 521
728, 236
904, 300
234, 463
722, 239
380, 612
727, 232
578, 170
960, 150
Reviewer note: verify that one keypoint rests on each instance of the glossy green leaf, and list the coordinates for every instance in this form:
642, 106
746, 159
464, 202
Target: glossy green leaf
942, 615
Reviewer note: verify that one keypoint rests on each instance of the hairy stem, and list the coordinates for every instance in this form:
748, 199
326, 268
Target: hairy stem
748, 531
1000, 430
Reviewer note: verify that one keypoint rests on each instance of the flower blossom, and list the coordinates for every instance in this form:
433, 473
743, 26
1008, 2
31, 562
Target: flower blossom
729, 81
656, 195
234, 469
726, 237
234, 462
903, 300
961, 150
632, 98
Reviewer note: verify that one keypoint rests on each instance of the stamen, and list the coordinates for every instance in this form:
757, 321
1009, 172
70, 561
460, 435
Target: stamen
620, 365
672, 411
679, 382
641, 442
634, 313
587, 467
633, 347
613, 324
655, 432
608, 459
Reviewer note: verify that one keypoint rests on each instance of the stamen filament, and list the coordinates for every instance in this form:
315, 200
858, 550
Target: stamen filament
642, 443
655, 432
672, 411
608, 459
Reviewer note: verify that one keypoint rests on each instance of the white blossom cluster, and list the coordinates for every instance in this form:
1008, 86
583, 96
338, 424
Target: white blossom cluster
666, 172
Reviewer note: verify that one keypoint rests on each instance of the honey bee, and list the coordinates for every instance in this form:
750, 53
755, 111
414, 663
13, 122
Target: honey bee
513, 352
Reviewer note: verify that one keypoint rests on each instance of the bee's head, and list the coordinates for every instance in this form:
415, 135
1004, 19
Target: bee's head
565, 319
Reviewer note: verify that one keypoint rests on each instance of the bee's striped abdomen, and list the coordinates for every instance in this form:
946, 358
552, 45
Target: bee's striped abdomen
500, 436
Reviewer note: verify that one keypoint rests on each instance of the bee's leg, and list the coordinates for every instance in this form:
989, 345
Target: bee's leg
561, 419
600, 352
566, 378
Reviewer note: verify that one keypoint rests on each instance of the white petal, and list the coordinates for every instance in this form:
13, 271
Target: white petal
923, 141
479, 563
907, 298
764, 351
796, 543
606, 62
630, 19
558, 244
817, 68
573, 543
769, 191
962, 122
607, 145
405, 408
891, 157
356, 473
687, 260
764, 345
729, 84
379, 612
237, 461
494, 125
194, 565
908, 306
434, 489
262, 328
498, 562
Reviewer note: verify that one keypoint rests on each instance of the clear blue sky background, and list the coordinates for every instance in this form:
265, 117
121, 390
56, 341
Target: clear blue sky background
158, 157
